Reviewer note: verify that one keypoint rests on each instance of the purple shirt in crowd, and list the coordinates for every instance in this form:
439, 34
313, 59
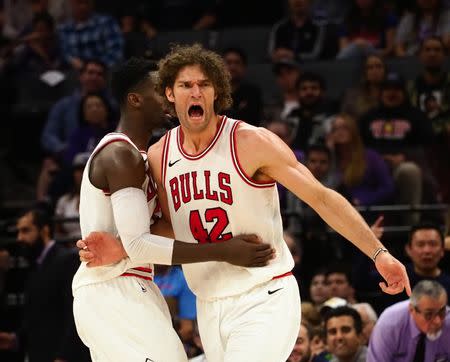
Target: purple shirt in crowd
395, 336
377, 185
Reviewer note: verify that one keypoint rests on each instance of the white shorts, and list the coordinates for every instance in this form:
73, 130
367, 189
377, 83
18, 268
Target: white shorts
260, 325
126, 319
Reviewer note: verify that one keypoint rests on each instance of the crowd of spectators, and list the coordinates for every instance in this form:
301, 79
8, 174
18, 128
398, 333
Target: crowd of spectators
384, 140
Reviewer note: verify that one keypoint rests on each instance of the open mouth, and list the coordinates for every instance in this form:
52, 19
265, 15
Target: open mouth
195, 111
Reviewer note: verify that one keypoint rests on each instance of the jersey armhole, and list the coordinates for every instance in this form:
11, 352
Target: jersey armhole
165, 152
234, 156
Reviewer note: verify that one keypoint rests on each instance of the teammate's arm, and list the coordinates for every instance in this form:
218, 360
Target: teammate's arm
267, 157
120, 168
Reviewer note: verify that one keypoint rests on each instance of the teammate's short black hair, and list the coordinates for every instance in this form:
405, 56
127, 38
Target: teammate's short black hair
127, 77
344, 311
311, 77
426, 225
237, 51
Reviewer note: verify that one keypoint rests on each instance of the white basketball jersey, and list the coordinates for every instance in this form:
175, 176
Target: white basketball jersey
96, 214
211, 199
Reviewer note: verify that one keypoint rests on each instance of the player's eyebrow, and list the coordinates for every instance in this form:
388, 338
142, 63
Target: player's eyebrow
189, 81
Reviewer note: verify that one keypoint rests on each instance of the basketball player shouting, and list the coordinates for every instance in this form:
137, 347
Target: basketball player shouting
216, 178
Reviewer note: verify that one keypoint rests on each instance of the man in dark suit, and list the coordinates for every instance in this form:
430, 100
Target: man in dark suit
48, 331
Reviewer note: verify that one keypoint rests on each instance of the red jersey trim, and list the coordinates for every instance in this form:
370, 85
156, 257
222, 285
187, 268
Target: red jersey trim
164, 158
142, 269
207, 149
247, 179
136, 275
282, 275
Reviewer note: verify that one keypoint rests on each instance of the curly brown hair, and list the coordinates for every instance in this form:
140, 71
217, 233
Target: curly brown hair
211, 64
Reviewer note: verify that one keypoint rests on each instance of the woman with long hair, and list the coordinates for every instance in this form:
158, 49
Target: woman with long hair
364, 176
365, 96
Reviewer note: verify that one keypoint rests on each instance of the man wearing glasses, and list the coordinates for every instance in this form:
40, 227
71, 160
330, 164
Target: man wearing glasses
414, 330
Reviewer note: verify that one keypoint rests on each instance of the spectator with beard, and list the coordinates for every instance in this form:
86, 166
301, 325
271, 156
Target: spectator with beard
48, 329
399, 132
414, 330
302, 348
343, 327
247, 97
360, 99
310, 119
297, 36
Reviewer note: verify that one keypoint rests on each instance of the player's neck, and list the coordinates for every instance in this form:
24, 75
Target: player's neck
194, 142
137, 133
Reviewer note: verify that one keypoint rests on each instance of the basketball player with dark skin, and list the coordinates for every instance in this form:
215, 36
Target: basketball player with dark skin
119, 165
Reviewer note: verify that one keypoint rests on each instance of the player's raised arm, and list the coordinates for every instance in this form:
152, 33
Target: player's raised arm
266, 156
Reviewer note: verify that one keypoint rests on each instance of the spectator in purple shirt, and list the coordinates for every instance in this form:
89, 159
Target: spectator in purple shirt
96, 120
414, 330
362, 173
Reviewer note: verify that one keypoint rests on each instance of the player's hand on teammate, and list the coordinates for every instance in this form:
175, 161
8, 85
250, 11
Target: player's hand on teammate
100, 248
248, 251
394, 274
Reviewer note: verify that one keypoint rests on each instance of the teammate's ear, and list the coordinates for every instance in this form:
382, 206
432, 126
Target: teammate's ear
169, 95
133, 99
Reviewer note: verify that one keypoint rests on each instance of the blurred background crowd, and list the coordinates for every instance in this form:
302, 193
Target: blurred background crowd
359, 89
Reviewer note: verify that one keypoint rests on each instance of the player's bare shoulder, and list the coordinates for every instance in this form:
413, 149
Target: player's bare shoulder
255, 141
112, 158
